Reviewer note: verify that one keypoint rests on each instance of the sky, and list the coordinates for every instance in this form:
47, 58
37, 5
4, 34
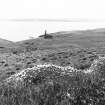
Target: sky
65, 9
47, 10
89, 9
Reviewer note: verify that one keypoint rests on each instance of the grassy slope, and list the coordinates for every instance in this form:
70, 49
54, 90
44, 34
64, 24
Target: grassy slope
92, 39
6, 46
66, 48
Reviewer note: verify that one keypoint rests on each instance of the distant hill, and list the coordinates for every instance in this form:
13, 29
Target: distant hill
92, 39
6, 46
6, 43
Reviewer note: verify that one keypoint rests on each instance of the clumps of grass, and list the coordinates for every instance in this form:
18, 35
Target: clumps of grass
10, 73
6, 65
50, 84
43, 86
16, 62
17, 68
80, 59
42, 67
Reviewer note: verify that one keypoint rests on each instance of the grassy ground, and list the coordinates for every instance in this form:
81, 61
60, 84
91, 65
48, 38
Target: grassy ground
12, 63
49, 85
78, 39
54, 86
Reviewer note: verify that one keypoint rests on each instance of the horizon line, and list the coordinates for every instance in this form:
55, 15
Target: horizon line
53, 20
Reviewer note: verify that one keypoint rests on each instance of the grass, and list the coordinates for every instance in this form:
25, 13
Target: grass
80, 59
78, 39
55, 85
11, 63
72, 76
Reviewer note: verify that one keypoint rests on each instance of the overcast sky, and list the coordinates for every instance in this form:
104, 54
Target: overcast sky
91, 9
32, 10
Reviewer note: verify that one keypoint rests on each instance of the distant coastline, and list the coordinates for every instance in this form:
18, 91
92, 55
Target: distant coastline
23, 30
